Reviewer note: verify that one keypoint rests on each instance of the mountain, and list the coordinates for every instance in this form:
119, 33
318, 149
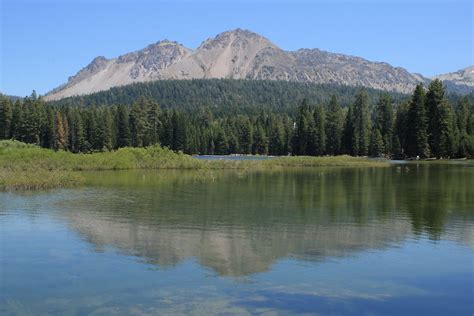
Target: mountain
461, 81
236, 54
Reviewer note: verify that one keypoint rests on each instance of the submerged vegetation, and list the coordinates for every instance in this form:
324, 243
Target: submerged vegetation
24, 166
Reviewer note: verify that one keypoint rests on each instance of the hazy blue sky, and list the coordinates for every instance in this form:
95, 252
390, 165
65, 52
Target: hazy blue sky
44, 42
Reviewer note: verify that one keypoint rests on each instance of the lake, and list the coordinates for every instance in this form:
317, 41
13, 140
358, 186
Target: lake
394, 241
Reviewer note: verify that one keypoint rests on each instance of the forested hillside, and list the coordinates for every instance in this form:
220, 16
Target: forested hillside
425, 124
224, 96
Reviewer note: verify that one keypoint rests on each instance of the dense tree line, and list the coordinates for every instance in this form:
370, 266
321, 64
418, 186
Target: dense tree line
426, 125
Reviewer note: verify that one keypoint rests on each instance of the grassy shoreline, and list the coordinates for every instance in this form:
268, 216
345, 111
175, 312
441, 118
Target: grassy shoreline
24, 166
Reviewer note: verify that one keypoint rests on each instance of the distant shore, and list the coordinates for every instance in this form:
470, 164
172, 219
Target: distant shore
28, 167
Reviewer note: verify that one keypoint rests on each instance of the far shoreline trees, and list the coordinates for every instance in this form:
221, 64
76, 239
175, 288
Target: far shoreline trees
427, 125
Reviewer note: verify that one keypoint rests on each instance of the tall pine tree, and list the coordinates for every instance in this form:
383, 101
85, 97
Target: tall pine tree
361, 124
303, 128
434, 99
334, 127
417, 126
123, 128
384, 122
5, 117
318, 134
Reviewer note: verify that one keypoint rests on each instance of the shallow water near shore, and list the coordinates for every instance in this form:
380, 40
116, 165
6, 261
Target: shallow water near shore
396, 241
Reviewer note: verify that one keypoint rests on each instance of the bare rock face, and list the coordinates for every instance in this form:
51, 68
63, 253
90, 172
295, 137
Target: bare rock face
140, 66
238, 54
228, 55
461, 80
321, 67
151, 61
97, 64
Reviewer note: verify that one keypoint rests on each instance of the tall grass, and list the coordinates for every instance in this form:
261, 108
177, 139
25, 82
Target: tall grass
24, 166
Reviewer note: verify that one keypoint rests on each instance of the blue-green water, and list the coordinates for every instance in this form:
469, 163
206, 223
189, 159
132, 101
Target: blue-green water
396, 241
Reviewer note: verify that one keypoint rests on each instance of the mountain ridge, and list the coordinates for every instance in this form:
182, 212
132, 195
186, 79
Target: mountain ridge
461, 80
235, 54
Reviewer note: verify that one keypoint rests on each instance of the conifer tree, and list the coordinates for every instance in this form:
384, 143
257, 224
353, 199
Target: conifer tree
180, 139
417, 126
59, 134
434, 98
77, 133
166, 130
138, 123
260, 141
30, 125
69, 115
347, 134
462, 119
123, 128
89, 126
106, 141
153, 118
276, 145
470, 131
288, 126
211, 147
445, 147
304, 125
334, 127
15, 123
47, 138
400, 131
377, 148
204, 141
66, 131
221, 146
5, 117
361, 124
384, 122
319, 133
245, 135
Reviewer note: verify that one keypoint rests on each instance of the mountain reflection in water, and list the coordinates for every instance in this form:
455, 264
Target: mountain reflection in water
391, 241
241, 223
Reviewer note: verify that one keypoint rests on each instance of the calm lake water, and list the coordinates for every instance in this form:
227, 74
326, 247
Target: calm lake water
395, 241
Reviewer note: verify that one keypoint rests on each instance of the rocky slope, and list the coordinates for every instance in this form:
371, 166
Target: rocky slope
461, 80
237, 54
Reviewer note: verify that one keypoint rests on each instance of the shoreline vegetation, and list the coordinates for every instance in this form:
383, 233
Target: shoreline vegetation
29, 167
426, 124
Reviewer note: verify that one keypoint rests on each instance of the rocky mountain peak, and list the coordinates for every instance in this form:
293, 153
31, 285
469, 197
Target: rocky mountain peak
465, 74
161, 49
163, 44
95, 66
461, 80
242, 54
239, 33
97, 63
237, 37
